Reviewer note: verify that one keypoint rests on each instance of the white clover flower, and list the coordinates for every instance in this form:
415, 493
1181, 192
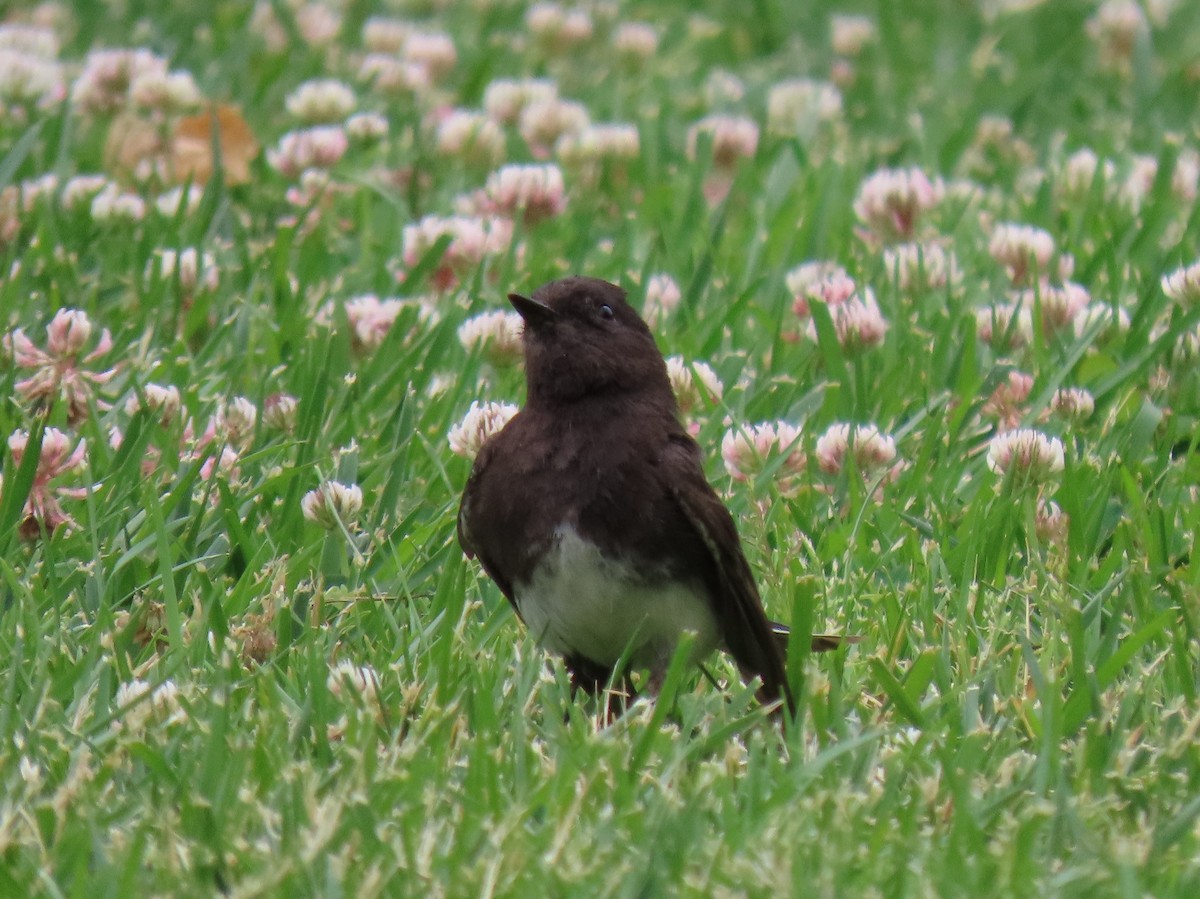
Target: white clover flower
29, 79
1005, 325
37, 40
370, 320
236, 419
635, 41
1023, 250
481, 421
733, 138
1027, 456
79, 190
354, 683
1080, 172
169, 93
534, 192
321, 101
1073, 403
196, 270
366, 127
384, 35
1051, 523
1185, 178
748, 451
389, 74
279, 411
472, 240
313, 148
543, 122
504, 99
1059, 305
921, 266
471, 136
798, 107
848, 35
170, 202
558, 30
1110, 321
1115, 29
498, 335
695, 384
871, 450
333, 503
435, 52
165, 401
1183, 284
892, 202
140, 703
662, 298
808, 275
596, 143
113, 204
103, 85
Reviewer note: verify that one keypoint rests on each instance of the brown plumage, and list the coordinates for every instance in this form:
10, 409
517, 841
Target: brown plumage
591, 511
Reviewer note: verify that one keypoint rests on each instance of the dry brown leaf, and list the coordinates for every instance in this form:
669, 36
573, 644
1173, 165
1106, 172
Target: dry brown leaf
192, 146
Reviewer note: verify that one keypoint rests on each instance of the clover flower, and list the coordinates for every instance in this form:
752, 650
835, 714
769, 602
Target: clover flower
58, 371
921, 266
1007, 404
1005, 326
892, 202
1073, 403
733, 138
872, 450
332, 504
798, 107
467, 437
695, 384
163, 401
849, 35
498, 335
504, 100
1023, 250
542, 122
1183, 284
662, 298
321, 101
313, 148
433, 51
57, 457
470, 136
635, 42
1026, 456
472, 240
279, 411
749, 451
533, 192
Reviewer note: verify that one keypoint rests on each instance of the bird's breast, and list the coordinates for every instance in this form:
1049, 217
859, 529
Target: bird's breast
579, 601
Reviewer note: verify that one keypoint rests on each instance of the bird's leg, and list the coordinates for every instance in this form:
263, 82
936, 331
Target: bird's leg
597, 680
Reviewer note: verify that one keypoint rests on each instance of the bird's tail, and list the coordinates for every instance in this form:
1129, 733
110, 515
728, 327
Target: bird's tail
820, 642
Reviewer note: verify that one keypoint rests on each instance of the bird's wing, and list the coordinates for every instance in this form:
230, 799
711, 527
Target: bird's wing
736, 602
467, 508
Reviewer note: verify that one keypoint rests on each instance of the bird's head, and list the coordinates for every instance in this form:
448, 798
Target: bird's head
582, 339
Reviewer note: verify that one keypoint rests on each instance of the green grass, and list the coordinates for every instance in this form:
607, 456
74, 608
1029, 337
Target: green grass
1020, 717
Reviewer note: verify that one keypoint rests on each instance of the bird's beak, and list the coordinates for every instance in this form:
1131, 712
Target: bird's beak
535, 312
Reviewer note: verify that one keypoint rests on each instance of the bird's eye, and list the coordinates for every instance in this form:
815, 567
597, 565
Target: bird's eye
605, 311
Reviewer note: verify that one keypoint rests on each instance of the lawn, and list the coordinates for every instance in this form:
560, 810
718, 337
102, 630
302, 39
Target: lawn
929, 272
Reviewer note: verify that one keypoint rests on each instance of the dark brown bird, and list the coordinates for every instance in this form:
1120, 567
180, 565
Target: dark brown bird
591, 511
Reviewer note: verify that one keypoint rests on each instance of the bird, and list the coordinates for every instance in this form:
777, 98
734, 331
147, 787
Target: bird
591, 511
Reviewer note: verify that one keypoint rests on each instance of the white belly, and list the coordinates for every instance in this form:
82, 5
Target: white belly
581, 603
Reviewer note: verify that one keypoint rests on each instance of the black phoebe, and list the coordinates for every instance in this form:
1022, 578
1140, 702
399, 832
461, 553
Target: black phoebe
591, 511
